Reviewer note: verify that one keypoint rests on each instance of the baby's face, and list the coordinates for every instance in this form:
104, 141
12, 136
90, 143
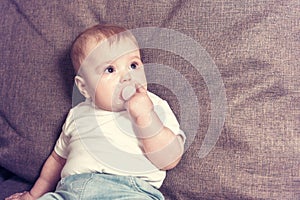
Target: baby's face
113, 67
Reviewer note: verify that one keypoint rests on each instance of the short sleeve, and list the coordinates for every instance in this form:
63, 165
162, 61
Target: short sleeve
61, 146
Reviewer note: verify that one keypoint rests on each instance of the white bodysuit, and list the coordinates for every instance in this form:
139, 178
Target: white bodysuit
94, 140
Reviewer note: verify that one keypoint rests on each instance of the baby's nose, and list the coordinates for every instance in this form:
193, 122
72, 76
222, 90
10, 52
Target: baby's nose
126, 76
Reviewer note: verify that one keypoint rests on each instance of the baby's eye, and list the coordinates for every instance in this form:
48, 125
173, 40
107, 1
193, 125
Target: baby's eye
134, 65
109, 69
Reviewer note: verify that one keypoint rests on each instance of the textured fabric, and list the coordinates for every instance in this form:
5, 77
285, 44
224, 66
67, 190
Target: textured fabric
255, 45
10, 183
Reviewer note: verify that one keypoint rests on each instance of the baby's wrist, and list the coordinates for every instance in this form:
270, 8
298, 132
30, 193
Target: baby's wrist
148, 125
32, 196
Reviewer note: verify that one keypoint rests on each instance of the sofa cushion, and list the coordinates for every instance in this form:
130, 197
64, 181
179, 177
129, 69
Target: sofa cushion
254, 44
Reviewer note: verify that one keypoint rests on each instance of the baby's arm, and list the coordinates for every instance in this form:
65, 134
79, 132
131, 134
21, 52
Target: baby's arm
161, 146
47, 180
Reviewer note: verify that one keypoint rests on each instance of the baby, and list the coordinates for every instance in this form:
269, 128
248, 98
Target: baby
120, 141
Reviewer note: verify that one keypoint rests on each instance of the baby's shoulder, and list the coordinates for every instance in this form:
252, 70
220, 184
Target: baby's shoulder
80, 110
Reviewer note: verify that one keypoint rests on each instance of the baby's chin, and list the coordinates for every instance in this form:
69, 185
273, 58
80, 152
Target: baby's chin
118, 109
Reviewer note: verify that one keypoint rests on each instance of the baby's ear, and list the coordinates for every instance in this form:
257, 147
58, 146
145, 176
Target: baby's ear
82, 87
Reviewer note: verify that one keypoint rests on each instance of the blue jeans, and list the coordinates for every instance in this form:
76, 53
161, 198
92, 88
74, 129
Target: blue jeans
102, 186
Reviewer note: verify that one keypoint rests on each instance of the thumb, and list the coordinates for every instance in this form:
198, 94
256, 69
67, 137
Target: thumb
141, 88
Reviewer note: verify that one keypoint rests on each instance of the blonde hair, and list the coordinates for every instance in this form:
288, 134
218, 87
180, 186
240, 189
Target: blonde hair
91, 37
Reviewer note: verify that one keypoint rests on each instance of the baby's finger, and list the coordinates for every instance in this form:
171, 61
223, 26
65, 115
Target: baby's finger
14, 196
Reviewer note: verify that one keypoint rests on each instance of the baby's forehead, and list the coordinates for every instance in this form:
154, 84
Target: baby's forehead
109, 50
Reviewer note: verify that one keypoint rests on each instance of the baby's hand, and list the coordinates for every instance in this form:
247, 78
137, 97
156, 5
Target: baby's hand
139, 106
21, 196
145, 120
